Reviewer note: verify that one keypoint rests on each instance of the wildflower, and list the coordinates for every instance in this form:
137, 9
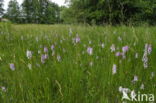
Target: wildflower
45, 49
125, 49
114, 69
46, 56
126, 90
43, 58
136, 55
12, 66
90, 50
77, 39
58, 58
39, 52
119, 38
123, 55
102, 45
142, 86
149, 49
90, 42
29, 54
118, 54
112, 48
145, 65
135, 79
120, 89
3, 89
52, 47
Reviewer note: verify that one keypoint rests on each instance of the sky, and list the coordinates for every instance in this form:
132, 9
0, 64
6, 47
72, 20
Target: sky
59, 2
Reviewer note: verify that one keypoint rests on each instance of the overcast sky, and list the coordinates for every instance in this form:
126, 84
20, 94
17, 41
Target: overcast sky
59, 2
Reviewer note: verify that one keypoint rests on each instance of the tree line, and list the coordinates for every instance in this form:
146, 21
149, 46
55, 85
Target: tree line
98, 12
32, 11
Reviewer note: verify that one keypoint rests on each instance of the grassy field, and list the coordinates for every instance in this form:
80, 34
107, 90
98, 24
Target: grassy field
75, 64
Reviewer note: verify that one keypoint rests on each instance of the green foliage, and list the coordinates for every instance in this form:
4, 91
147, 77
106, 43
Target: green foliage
13, 11
113, 11
41, 11
68, 15
101, 12
1, 8
52, 14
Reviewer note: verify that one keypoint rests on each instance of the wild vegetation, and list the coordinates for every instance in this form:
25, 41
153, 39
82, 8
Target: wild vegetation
75, 64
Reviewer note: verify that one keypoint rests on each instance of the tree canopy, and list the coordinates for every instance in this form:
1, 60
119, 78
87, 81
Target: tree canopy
1, 8
111, 11
98, 12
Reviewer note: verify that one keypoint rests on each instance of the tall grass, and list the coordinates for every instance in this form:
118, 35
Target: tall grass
70, 74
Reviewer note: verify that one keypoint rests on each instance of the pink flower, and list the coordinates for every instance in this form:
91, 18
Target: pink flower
90, 50
125, 49
77, 39
12, 66
149, 49
45, 49
52, 47
43, 58
118, 54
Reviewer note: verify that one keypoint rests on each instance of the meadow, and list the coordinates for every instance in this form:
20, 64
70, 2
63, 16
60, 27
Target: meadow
75, 64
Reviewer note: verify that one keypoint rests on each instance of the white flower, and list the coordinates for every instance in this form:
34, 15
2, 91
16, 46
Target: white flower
29, 54
102, 45
135, 79
112, 48
3, 89
90, 50
136, 55
142, 86
114, 69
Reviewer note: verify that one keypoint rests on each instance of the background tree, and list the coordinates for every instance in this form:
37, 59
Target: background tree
30, 10
1, 8
52, 13
13, 11
112, 11
41, 11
